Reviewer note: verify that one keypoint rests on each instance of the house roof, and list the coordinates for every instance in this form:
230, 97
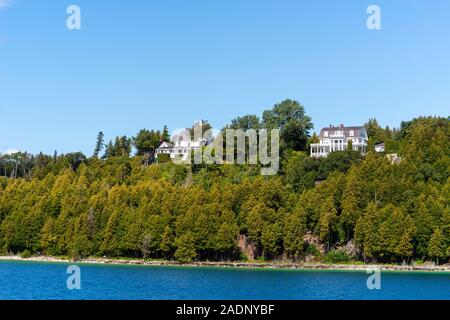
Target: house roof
165, 145
358, 131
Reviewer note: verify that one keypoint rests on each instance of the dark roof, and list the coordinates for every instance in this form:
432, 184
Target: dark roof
170, 145
357, 131
182, 136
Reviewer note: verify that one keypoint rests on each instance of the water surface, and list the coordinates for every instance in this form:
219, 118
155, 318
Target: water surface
34, 280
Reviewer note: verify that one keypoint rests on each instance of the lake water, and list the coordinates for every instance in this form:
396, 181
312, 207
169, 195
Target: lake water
31, 280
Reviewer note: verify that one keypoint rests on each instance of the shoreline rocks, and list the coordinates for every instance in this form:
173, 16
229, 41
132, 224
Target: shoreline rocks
254, 265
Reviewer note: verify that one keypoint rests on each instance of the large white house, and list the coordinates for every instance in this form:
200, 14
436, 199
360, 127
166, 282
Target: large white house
339, 139
181, 147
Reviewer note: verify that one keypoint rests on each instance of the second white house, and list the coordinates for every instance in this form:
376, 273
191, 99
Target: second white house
340, 138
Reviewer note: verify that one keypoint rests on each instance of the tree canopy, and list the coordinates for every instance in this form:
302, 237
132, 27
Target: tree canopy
79, 206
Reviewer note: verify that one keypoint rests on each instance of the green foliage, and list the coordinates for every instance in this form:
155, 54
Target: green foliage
164, 158
302, 172
99, 144
375, 132
436, 246
146, 141
25, 254
245, 123
123, 206
289, 116
312, 250
121, 147
294, 230
337, 256
185, 248
385, 233
165, 136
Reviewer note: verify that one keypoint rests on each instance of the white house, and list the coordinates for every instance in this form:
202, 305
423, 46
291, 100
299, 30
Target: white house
181, 146
339, 139
379, 147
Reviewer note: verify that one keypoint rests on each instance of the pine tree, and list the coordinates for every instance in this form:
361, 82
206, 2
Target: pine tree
436, 247
109, 151
100, 144
226, 238
165, 136
185, 248
327, 220
110, 244
350, 202
271, 239
166, 245
294, 229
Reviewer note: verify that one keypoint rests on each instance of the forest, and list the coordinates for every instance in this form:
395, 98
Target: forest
120, 202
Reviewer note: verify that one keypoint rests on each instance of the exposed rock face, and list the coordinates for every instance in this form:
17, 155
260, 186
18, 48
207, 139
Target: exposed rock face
394, 158
313, 240
349, 248
310, 258
247, 247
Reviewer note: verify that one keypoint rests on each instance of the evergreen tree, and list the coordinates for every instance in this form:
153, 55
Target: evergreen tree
327, 220
100, 144
165, 136
294, 230
109, 151
436, 247
167, 242
185, 244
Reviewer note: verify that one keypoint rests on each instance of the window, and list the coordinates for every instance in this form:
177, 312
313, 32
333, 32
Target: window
325, 133
352, 133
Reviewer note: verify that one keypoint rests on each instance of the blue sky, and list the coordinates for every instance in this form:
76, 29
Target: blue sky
142, 64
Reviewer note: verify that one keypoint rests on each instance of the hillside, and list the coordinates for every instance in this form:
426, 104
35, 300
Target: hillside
122, 206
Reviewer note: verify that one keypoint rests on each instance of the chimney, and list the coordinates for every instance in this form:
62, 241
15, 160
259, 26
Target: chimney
341, 125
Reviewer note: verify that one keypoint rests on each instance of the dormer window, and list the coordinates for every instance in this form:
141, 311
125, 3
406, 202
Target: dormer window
325, 134
352, 133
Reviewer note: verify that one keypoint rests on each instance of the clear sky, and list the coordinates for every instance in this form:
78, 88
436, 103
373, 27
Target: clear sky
142, 64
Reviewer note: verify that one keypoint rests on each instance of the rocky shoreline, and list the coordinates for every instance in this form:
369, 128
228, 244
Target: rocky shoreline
254, 265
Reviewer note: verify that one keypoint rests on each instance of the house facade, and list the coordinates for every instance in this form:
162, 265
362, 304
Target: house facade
180, 147
379, 147
340, 138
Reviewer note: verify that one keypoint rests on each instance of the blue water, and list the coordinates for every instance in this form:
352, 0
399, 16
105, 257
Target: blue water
30, 280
